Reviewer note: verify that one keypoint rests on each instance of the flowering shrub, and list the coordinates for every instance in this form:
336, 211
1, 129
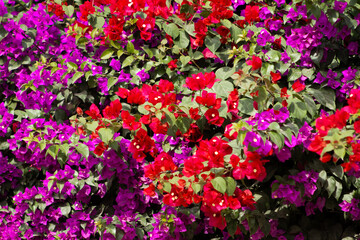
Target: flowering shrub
162, 119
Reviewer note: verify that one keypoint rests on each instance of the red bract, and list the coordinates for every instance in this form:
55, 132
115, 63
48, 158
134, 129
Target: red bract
200, 81
192, 166
94, 112
158, 127
129, 121
298, 86
233, 101
115, 28
212, 115
136, 97
100, 148
86, 9
209, 100
150, 191
275, 77
357, 126
246, 198
141, 144
252, 14
172, 64
113, 111
122, 92
193, 134
146, 26
255, 63
194, 113
354, 100
317, 145
179, 196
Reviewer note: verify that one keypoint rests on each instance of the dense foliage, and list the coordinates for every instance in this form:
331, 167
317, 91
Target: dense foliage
160, 119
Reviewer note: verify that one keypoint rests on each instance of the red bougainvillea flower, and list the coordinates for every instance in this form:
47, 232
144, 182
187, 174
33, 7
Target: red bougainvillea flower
200, 81
354, 100
193, 134
141, 144
86, 9
129, 121
209, 100
122, 92
194, 113
112, 111
255, 63
298, 86
317, 145
172, 64
230, 133
94, 112
275, 77
165, 86
252, 14
157, 127
150, 191
357, 126
100, 148
136, 97
252, 167
115, 27
212, 115
233, 101
192, 166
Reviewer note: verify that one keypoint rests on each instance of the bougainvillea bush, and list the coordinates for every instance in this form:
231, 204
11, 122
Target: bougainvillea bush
160, 119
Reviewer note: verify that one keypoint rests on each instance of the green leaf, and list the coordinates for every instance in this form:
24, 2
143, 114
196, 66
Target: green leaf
184, 60
97, 22
273, 55
219, 184
111, 82
325, 96
76, 76
230, 186
171, 29
65, 210
224, 73
69, 10
53, 150
212, 43
190, 29
277, 138
294, 74
72, 66
196, 187
223, 88
183, 40
338, 191
27, 42
107, 53
246, 106
331, 185
65, 148
83, 149
106, 134
337, 170
13, 65
128, 61
130, 47
92, 126
183, 124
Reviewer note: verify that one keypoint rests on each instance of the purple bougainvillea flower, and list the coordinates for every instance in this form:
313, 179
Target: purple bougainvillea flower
253, 139
340, 6
143, 75
115, 64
